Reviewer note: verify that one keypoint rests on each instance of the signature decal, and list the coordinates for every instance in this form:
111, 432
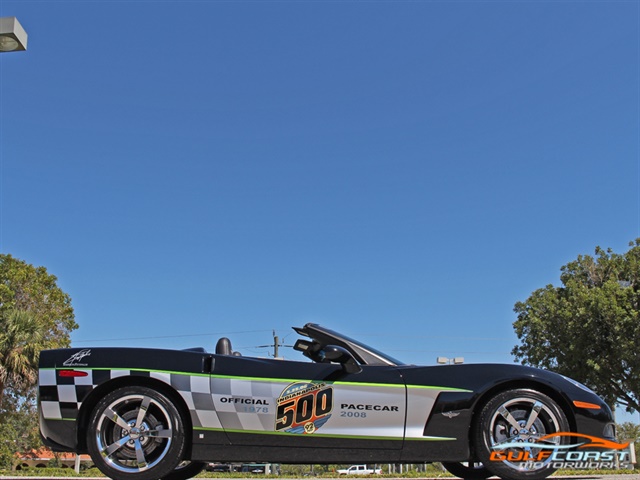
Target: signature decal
304, 407
75, 359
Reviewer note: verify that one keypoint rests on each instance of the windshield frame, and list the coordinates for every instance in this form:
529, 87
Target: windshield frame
363, 353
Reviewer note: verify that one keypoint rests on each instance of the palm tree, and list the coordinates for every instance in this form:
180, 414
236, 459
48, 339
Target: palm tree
20, 344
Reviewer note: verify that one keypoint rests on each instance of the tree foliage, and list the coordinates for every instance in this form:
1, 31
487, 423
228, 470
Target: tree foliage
629, 431
20, 344
589, 327
34, 290
34, 314
18, 424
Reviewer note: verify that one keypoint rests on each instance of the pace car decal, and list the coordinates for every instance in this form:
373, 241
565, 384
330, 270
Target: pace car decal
264, 405
362, 406
304, 407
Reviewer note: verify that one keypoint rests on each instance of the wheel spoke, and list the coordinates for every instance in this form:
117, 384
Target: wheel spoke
117, 419
114, 447
535, 411
142, 412
549, 441
142, 461
498, 445
509, 418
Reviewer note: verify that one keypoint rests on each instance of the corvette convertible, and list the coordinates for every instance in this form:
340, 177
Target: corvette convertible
146, 414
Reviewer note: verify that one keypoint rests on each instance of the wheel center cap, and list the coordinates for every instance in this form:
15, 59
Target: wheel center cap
135, 433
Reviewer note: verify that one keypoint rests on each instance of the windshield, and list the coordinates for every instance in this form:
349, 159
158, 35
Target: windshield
364, 354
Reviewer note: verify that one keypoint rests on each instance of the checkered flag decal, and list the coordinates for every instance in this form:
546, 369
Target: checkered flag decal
243, 405
61, 397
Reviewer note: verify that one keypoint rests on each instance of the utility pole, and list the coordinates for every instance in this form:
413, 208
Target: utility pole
275, 345
276, 341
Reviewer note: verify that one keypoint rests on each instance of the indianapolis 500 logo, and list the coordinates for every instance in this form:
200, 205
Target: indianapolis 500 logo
304, 407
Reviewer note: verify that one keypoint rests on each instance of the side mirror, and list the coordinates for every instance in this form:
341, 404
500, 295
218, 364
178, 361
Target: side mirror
334, 353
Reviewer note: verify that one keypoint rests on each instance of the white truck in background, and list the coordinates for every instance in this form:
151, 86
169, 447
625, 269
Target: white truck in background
360, 470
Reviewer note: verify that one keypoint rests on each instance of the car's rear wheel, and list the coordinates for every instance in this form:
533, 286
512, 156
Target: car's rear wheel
467, 470
517, 427
136, 433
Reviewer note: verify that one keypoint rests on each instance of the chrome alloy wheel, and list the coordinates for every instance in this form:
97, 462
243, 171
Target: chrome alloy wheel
524, 421
134, 433
514, 433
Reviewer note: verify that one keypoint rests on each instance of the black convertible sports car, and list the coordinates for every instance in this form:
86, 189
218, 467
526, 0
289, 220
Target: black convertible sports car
145, 414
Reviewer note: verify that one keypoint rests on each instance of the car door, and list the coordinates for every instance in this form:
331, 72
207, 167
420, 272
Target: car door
283, 403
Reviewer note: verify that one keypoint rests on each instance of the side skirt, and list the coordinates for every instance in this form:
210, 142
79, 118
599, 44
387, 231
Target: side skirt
231, 453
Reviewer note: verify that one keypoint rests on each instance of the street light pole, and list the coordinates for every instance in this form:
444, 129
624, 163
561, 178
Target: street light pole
13, 37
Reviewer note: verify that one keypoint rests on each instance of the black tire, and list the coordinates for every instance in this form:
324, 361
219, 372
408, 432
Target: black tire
185, 470
468, 471
136, 433
518, 416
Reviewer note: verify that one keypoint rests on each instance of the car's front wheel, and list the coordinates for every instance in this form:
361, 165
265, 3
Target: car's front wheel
513, 435
136, 433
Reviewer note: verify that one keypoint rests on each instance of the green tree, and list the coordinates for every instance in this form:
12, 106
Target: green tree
20, 345
34, 314
32, 289
589, 327
19, 430
630, 431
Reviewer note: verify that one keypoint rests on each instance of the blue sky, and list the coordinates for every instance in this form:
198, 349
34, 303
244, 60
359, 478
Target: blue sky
402, 171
